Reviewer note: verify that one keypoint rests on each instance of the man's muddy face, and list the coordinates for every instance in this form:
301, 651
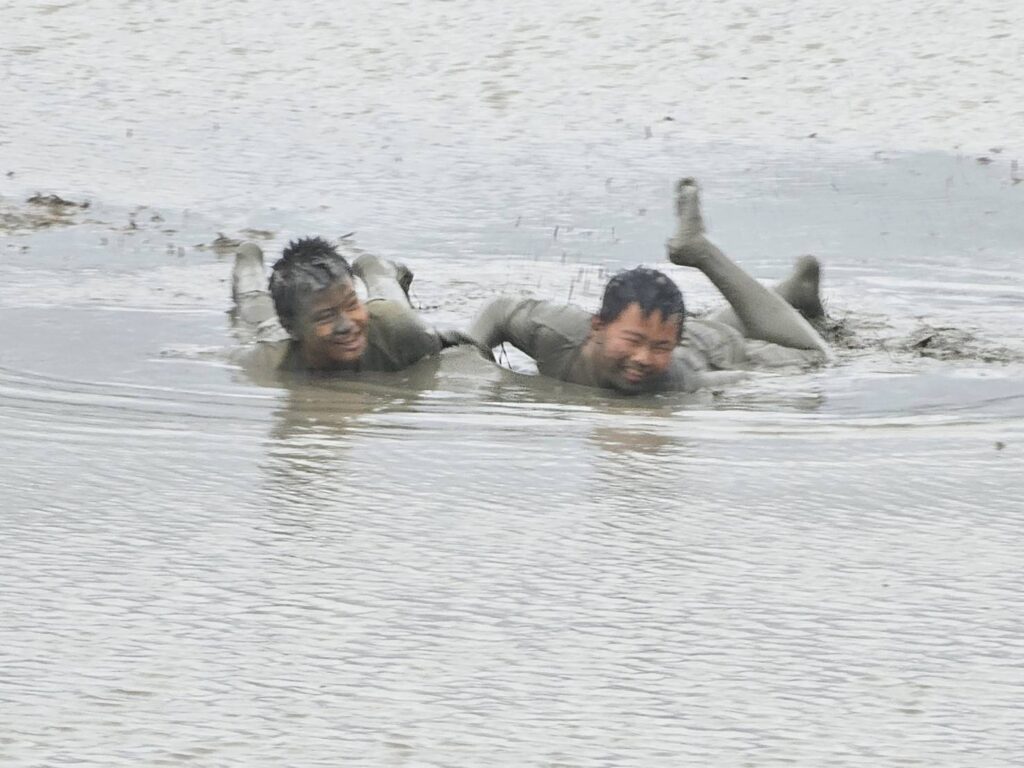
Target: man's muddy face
633, 349
332, 331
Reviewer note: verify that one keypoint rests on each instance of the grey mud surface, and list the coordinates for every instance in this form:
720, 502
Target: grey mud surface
462, 565
605, 579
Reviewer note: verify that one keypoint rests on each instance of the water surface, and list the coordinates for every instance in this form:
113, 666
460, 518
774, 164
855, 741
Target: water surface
461, 565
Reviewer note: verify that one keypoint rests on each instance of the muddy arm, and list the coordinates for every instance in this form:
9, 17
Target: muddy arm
503, 320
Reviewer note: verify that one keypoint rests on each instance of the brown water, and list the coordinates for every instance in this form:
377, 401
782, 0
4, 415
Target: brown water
462, 565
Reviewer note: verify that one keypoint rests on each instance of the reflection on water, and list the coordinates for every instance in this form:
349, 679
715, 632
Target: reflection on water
434, 573
462, 565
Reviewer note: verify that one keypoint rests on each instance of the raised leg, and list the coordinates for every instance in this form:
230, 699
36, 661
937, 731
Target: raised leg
764, 314
253, 304
800, 290
384, 279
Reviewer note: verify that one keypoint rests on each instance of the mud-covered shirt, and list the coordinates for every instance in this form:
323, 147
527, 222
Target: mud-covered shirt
396, 338
554, 334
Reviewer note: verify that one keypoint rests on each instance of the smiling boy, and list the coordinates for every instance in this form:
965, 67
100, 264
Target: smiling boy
317, 320
640, 341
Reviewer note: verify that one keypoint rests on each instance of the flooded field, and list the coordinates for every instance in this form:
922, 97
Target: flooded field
467, 565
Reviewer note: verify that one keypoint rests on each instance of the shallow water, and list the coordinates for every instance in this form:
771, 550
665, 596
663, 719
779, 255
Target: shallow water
462, 565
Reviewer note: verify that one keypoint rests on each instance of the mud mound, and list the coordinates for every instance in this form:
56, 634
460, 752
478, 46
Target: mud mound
38, 212
55, 202
946, 343
846, 331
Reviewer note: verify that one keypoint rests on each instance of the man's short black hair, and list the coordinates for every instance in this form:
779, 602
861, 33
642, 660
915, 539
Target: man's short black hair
651, 289
307, 265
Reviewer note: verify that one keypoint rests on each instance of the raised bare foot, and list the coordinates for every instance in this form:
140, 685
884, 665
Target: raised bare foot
688, 247
368, 265
802, 289
405, 277
248, 275
373, 268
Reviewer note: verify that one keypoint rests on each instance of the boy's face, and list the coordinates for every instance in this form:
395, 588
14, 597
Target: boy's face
633, 349
332, 330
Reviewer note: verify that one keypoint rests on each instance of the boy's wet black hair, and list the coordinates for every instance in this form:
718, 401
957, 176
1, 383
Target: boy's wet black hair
651, 289
307, 265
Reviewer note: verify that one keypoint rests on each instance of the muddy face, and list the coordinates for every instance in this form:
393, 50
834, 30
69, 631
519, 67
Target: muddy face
332, 329
633, 349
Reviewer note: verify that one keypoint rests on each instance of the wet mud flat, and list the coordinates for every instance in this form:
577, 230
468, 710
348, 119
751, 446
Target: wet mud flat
461, 565
920, 251
457, 565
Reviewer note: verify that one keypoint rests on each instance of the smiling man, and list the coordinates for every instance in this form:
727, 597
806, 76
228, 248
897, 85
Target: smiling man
314, 318
629, 345
640, 341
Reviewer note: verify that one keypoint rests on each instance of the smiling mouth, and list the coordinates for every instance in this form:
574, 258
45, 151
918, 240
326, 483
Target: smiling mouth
353, 344
634, 375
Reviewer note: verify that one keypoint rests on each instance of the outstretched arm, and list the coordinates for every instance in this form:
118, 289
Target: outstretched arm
765, 315
503, 319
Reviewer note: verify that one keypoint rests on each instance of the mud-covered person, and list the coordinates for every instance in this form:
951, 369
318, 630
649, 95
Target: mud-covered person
313, 318
640, 340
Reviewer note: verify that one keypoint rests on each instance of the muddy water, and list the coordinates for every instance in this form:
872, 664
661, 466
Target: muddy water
463, 565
